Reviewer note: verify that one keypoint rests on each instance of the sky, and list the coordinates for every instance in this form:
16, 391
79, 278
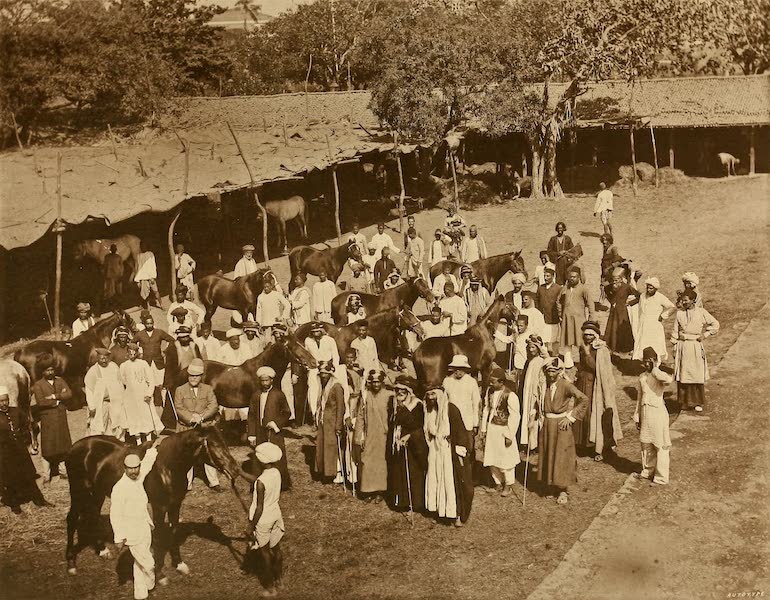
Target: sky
270, 7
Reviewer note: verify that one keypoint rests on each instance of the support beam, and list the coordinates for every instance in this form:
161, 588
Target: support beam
59, 229
171, 253
336, 204
654, 154
633, 158
454, 179
671, 148
752, 151
401, 182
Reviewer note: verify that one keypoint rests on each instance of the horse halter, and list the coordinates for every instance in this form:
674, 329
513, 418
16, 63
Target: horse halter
413, 328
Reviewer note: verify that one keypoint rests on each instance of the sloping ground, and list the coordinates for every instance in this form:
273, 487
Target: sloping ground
705, 535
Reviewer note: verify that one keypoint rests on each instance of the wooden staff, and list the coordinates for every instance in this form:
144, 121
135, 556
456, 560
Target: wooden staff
409, 485
16, 132
336, 185
254, 190
112, 142
633, 157
353, 476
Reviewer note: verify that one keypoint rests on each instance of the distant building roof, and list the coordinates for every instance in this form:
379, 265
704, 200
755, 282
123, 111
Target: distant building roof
234, 18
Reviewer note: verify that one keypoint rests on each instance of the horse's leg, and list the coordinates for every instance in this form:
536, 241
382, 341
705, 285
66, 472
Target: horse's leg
94, 512
282, 235
302, 224
73, 517
160, 542
173, 522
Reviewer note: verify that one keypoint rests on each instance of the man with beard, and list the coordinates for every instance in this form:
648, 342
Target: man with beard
370, 435
104, 396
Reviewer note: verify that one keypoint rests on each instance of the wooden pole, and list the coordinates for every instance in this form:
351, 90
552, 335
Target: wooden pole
16, 131
112, 142
633, 158
752, 152
285, 136
307, 78
329, 148
671, 148
654, 154
59, 229
454, 180
254, 190
401, 182
171, 253
336, 203
350, 97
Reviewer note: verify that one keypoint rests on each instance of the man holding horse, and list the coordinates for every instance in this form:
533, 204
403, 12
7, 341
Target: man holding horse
131, 521
185, 267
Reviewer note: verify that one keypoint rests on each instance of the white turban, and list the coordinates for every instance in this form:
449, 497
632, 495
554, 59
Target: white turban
653, 281
691, 277
267, 452
233, 333
519, 277
549, 266
265, 371
3, 391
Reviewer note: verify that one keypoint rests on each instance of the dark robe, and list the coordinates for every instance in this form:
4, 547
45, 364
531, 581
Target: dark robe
586, 376
416, 453
548, 303
382, 269
17, 473
557, 466
151, 346
610, 259
618, 333
55, 439
331, 422
463, 466
276, 410
557, 246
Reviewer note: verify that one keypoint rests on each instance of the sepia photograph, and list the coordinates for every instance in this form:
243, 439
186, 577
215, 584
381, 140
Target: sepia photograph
384, 299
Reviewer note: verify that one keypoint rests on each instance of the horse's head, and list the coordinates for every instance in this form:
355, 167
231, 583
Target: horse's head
354, 251
408, 321
126, 320
217, 453
299, 353
517, 263
423, 288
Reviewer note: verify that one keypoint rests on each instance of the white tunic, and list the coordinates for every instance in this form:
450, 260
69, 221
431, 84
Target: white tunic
496, 453
272, 308
440, 281
436, 252
104, 383
79, 326
140, 384
210, 348
456, 307
360, 239
649, 334
473, 249
323, 294
323, 350
301, 305
147, 268
185, 267
440, 329
129, 516
380, 241
464, 394
368, 358
244, 267
651, 409
536, 323
229, 356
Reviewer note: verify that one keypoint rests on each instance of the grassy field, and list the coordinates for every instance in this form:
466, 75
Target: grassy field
338, 547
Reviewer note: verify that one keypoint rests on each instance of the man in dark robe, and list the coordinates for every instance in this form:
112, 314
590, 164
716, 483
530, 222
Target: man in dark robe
330, 419
112, 270
50, 393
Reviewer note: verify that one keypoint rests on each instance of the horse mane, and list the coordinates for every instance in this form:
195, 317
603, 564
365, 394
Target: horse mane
264, 356
95, 333
494, 309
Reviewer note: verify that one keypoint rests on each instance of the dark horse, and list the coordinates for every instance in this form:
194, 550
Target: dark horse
385, 327
234, 387
73, 358
240, 294
306, 259
95, 464
402, 295
489, 270
434, 354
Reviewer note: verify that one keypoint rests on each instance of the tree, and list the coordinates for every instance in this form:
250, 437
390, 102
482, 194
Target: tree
249, 9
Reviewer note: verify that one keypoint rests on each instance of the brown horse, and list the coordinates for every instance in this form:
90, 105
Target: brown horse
16, 380
95, 465
306, 259
434, 354
489, 270
128, 247
385, 327
73, 358
241, 294
234, 387
402, 295
284, 210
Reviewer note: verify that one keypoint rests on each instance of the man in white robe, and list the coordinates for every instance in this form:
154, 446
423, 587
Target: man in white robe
653, 309
462, 390
366, 349
515, 295
415, 254
85, 319
324, 349
143, 422
454, 308
104, 396
251, 340
272, 307
359, 238
193, 318
536, 321
185, 267
442, 279
382, 240
246, 265
473, 247
208, 346
437, 325
324, 292
301, 301
500, 423
146, 277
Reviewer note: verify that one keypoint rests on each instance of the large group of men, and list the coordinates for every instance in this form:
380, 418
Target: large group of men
551, 392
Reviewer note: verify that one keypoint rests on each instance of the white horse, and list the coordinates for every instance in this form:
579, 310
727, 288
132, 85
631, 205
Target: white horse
728, 162
287, 209
17, 381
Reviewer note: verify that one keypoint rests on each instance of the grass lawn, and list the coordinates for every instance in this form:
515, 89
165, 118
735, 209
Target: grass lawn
338, 547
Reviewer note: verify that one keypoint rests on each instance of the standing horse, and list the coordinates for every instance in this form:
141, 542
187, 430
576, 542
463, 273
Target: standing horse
401, 295
73, 358
128, 247
234, 387
95, 465
284, 210
385, 328
434, 354
16, 380
241, 295
489, 270
306, 259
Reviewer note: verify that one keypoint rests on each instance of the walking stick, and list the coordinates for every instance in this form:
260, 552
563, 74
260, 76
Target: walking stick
171, 400
526, 471
353, 476
409, 485
342, 462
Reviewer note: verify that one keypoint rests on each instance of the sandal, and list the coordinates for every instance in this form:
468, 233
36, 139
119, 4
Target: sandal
563, 498
598, 458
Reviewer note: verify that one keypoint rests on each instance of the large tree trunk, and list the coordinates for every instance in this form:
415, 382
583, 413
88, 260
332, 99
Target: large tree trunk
537, 172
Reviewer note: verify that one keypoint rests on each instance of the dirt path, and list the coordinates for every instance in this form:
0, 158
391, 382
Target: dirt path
705, 535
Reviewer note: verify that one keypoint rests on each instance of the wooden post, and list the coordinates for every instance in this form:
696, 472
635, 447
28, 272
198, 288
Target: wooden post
752, 152
59, 229
16, 131
671, 148
401, 182
654, 154
633, 157
254, 190
594, 154
307, 77
112, 142
336, 204
524, 167
171, 253
329, 148
350, 97
285, 136
454, 179
186, 147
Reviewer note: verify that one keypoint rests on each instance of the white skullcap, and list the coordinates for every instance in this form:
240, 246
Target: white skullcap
653, 281
233, 333
267, 452
132, 460
549, 266
691, 277
265, 371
